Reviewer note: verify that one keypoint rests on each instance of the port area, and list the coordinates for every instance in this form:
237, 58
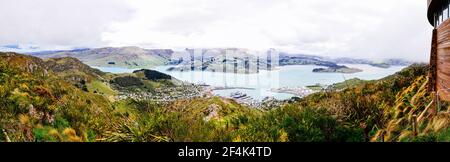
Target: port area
297, 91
243, 98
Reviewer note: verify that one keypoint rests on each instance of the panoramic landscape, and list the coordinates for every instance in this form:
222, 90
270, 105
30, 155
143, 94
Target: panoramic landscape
177, 71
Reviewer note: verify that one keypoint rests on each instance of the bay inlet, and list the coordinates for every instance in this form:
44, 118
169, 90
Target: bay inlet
281, 84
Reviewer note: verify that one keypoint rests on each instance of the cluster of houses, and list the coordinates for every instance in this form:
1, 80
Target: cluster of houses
166, 94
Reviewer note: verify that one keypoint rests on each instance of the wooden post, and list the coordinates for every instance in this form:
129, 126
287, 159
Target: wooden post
414, 125
438, 104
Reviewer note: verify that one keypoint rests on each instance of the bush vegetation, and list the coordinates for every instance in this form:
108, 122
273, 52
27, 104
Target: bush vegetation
38, 104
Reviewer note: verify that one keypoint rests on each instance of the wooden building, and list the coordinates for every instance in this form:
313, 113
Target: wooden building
438, 16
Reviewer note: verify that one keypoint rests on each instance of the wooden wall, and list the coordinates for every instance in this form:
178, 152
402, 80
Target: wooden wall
433, 63
443, 60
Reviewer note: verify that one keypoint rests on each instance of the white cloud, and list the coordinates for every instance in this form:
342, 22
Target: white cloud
56, 23
353, 28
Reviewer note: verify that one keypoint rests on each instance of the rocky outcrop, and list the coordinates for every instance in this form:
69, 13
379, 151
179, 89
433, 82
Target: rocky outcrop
213, 112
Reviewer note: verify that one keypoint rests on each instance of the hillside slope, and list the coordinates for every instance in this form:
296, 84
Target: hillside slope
389, 109
38, 103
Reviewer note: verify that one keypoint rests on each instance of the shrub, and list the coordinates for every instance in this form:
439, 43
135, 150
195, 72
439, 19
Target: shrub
42, 134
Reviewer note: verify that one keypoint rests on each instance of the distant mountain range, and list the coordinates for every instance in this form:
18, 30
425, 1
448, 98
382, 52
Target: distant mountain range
386, 63
130, 57
346, 60
215, 59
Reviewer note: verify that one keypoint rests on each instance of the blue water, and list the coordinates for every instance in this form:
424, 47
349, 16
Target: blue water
262, 83
115, 70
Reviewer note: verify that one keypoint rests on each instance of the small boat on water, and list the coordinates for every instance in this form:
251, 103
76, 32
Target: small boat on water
238, 95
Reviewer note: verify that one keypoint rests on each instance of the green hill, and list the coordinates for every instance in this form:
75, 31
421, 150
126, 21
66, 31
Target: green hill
38, 105
385, 108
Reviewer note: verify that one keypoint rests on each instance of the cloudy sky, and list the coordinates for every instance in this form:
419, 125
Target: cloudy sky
351, 28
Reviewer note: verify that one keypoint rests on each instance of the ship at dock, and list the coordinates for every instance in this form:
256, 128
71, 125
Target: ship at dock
243, 98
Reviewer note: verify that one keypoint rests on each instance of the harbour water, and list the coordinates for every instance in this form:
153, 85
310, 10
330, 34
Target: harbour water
115, 70
261, 85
